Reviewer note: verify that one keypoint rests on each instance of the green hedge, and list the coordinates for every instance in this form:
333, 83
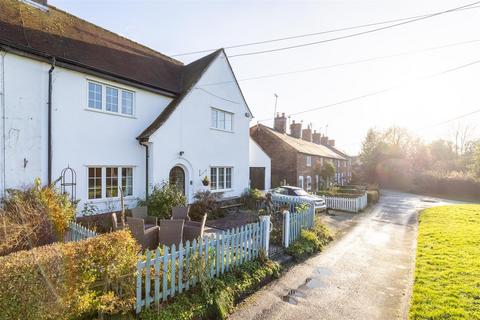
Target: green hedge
217, 297
76, 280
310, 241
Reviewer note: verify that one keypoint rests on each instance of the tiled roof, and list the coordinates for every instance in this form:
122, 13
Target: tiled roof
303, 146
71, 39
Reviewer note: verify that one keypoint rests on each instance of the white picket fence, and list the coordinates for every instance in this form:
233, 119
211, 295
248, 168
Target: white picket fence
173, 270
347, 204
77, 232
294, 222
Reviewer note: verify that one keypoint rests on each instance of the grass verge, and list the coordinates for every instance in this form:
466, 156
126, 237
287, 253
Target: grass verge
447, 273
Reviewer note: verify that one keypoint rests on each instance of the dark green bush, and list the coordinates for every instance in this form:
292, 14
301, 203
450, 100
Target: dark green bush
162, 199
75, 280
218, 296
252, 198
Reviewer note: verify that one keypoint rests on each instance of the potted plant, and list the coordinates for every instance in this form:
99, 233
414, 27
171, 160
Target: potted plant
205, 181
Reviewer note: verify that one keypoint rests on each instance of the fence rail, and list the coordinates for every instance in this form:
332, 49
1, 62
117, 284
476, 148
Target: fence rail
77, 232
171, 270
347, 204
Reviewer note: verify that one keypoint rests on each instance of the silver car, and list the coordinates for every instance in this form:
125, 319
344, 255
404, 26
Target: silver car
291, 191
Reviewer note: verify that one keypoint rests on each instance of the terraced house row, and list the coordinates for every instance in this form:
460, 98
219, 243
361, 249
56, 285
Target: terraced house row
298, 156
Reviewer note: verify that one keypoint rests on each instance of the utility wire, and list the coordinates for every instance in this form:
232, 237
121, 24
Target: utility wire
274, 75
353, 34
313, 33
374, 93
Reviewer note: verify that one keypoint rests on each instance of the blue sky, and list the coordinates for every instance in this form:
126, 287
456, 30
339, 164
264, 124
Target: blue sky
417, 102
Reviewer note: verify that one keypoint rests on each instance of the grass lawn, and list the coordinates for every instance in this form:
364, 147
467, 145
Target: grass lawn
447, 274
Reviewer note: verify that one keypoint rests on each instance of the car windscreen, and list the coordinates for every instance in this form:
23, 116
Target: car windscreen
300, 192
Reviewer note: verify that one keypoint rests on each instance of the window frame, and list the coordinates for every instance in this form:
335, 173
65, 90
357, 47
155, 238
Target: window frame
119, 180
309, 183
214, 183
308, 161
120, 105
301, 182
214, 123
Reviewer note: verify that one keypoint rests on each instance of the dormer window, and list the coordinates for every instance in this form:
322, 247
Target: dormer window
110, 99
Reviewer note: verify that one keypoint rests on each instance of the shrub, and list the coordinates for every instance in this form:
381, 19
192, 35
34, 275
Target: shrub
70, 281
205, 202
310, 241
252, 197
33, 217
162, 199
372, 196
218, 296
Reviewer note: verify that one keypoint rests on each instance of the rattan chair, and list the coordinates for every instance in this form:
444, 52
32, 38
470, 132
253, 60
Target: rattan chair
142, 212
148, 238
180, 212
194, 229
170, 232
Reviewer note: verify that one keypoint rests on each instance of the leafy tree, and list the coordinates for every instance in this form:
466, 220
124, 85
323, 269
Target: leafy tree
326, 171
371, 155
162, 199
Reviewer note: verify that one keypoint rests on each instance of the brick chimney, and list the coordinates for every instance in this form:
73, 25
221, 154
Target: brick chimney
307, 134
280, 123
331, 143
316, 137
296, 129
324, 140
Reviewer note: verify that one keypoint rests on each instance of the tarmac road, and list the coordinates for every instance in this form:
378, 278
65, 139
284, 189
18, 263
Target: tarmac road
367, 274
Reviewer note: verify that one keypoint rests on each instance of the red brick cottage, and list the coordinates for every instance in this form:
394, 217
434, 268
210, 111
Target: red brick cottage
297, 156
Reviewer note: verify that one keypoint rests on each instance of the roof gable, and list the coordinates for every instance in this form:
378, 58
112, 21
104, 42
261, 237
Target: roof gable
192, 73
301, 145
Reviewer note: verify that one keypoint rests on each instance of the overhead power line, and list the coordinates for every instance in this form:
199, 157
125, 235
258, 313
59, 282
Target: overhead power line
279, 74
374, 93
354, 34
315, 33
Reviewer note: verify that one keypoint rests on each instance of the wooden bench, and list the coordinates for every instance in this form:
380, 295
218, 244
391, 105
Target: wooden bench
231, 207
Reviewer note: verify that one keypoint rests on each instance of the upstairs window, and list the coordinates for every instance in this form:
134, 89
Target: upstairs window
110, 99
309, 161
222, 120
94, 96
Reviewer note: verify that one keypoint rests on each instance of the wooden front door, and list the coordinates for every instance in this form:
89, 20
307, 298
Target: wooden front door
177, 178
257, 178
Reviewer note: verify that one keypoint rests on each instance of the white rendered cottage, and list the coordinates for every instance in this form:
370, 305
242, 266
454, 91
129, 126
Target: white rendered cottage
119, 114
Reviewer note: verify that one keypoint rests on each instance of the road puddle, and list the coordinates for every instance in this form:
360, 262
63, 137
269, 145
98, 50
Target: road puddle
314, 283
322, 271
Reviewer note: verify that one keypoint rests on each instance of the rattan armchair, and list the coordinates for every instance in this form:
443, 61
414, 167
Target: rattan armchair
148, 238
194, 229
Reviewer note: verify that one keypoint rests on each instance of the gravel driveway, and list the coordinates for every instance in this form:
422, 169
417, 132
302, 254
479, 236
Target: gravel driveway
367, 274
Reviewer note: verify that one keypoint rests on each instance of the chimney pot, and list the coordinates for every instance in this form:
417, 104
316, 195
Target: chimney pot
316, 137
307, 134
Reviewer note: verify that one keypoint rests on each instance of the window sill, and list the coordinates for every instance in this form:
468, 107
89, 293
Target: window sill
111, 113
222, 130
221, 190
115, 199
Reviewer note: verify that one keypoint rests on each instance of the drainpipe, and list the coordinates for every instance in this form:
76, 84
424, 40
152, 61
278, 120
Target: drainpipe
50, 76
146, 168
4, 122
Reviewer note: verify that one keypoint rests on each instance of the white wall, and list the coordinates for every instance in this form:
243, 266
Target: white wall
188, 130
258, 158
81, 137
24, 135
